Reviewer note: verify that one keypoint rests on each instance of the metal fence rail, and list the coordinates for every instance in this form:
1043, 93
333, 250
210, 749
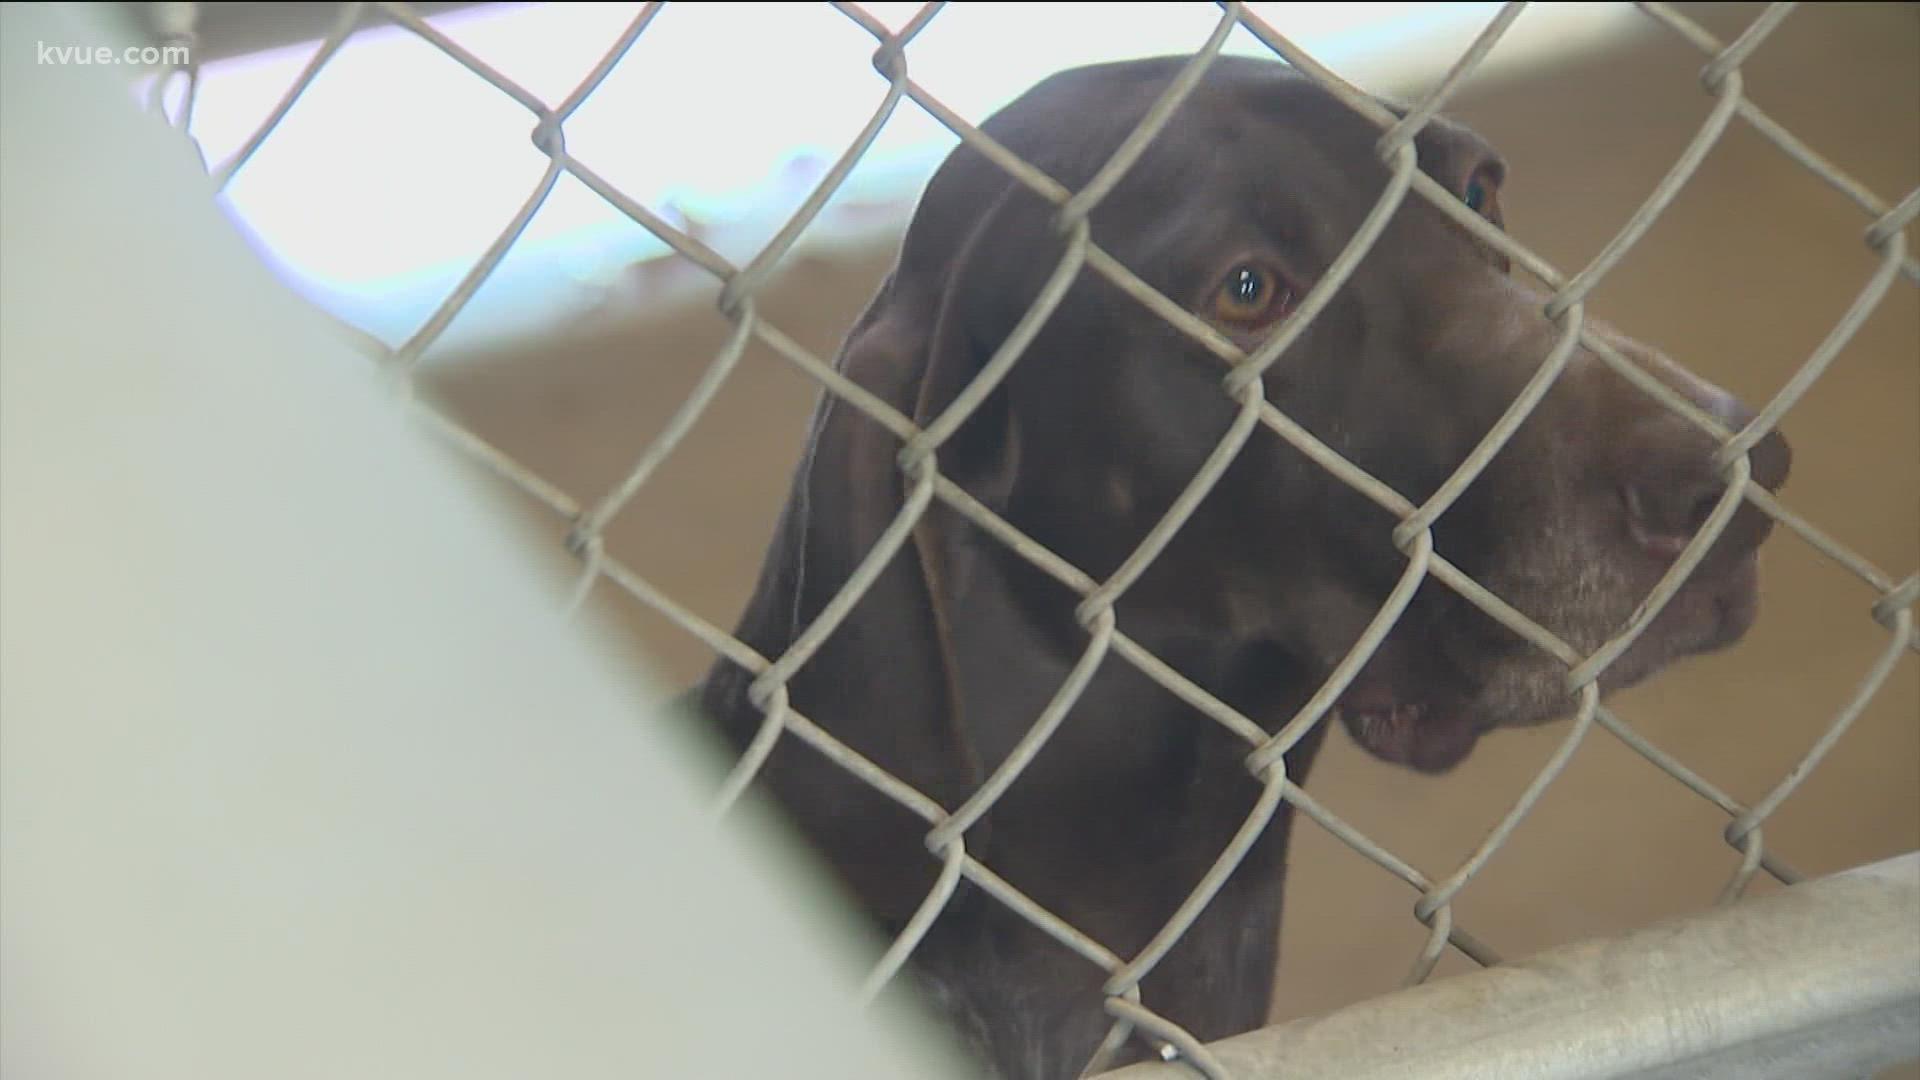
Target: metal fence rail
1843, 1001
1890, 598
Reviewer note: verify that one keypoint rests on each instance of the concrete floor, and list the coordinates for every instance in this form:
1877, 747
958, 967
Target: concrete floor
1741, 279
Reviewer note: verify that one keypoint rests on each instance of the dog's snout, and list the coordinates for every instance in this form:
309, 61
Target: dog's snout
1771, 458
1671, 484
1668, 502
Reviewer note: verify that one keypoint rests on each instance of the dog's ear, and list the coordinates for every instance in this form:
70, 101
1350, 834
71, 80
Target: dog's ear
982, 455
924, 340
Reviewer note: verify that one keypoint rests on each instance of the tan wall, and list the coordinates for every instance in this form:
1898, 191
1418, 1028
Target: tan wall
1742, 279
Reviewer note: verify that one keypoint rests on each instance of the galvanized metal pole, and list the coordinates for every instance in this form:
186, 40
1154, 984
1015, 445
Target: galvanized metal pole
1819, 980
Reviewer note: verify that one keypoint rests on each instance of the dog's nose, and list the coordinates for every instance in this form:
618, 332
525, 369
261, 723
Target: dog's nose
1670, 485
1771, 457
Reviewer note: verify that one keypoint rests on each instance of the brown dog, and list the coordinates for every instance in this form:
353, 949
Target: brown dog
1234, 211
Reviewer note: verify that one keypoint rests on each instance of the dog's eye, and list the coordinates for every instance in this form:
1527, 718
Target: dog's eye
1478, 194
1252, 295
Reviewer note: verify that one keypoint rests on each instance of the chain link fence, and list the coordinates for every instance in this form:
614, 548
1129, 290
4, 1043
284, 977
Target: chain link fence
1889, 595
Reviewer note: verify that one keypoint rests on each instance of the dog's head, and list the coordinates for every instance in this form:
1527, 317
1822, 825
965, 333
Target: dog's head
1234, 212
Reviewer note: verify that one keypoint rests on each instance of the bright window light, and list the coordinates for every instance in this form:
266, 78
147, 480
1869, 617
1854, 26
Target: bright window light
398, 167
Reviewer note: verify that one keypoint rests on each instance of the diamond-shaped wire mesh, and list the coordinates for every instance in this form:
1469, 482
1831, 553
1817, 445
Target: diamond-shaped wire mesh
1106, 637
